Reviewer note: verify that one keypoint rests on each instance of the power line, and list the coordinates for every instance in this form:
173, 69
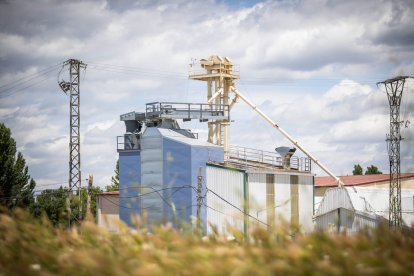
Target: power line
246, 81
159, 190
23, 88
32, 81
50, 184
130, 208
137, 70
28, 77
237, 208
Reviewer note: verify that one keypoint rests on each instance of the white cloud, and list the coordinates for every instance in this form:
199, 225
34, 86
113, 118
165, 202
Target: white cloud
311, 65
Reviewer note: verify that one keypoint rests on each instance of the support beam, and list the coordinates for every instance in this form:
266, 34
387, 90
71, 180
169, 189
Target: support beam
234, 101
220, 91
270, 121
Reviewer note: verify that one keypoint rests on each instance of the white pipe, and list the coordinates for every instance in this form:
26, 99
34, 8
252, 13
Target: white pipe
338, 181
215, 95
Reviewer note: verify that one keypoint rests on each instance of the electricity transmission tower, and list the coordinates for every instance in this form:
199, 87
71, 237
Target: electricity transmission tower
73, 87
394, 88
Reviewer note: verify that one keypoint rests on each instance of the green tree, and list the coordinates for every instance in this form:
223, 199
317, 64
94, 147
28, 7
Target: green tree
94, 191
357, 170
372, 170
114, 180
16, 186
52, 203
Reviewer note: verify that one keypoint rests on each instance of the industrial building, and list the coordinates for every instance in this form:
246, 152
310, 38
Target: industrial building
346, 208
169, 175
322, 183
372, 181
107, 211
268, 197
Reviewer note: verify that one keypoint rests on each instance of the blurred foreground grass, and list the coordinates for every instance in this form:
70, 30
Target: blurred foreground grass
32, 247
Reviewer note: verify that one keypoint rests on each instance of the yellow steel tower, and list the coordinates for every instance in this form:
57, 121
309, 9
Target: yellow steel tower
220, 74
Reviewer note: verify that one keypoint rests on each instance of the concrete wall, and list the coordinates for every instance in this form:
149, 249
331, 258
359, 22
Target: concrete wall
108, 212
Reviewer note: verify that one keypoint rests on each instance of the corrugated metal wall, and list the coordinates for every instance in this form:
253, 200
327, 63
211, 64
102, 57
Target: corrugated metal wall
152, 173
283, 202
199, 157
257, 198
306, 202
340, 220
292, 198
333, 199
161, 179
129, 181
229, 184
340, 211
177, 181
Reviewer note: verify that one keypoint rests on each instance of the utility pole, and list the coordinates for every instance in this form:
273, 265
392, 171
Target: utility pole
199, 196
394, 88
73, 87
88, 204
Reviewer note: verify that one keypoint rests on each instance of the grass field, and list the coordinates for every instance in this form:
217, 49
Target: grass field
32, 247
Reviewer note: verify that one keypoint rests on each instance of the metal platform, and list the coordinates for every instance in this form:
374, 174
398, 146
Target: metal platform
254, 159
133, 116
187, 111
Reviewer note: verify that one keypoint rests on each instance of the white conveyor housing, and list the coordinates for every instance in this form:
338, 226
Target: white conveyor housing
270, 121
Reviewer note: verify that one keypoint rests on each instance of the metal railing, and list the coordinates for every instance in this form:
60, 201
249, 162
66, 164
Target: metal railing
187, 110
254, 158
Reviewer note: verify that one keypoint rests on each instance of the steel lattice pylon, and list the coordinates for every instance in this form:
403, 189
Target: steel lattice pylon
394, 88
73, 87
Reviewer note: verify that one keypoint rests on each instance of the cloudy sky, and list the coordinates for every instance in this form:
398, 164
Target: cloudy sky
310, 65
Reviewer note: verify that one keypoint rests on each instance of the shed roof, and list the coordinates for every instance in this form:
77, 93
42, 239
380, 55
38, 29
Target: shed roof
356, 180
346, 198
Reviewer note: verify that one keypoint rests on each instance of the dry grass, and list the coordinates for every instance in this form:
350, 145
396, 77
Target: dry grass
30, 247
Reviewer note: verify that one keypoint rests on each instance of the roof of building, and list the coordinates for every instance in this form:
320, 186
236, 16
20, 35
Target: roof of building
356, 180
112, 193
178, 137
347, 198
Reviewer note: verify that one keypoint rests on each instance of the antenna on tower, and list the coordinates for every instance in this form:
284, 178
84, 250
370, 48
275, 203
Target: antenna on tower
394, 88
73, 87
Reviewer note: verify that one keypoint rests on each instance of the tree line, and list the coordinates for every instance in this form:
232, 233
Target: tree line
17, 189
370, 170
